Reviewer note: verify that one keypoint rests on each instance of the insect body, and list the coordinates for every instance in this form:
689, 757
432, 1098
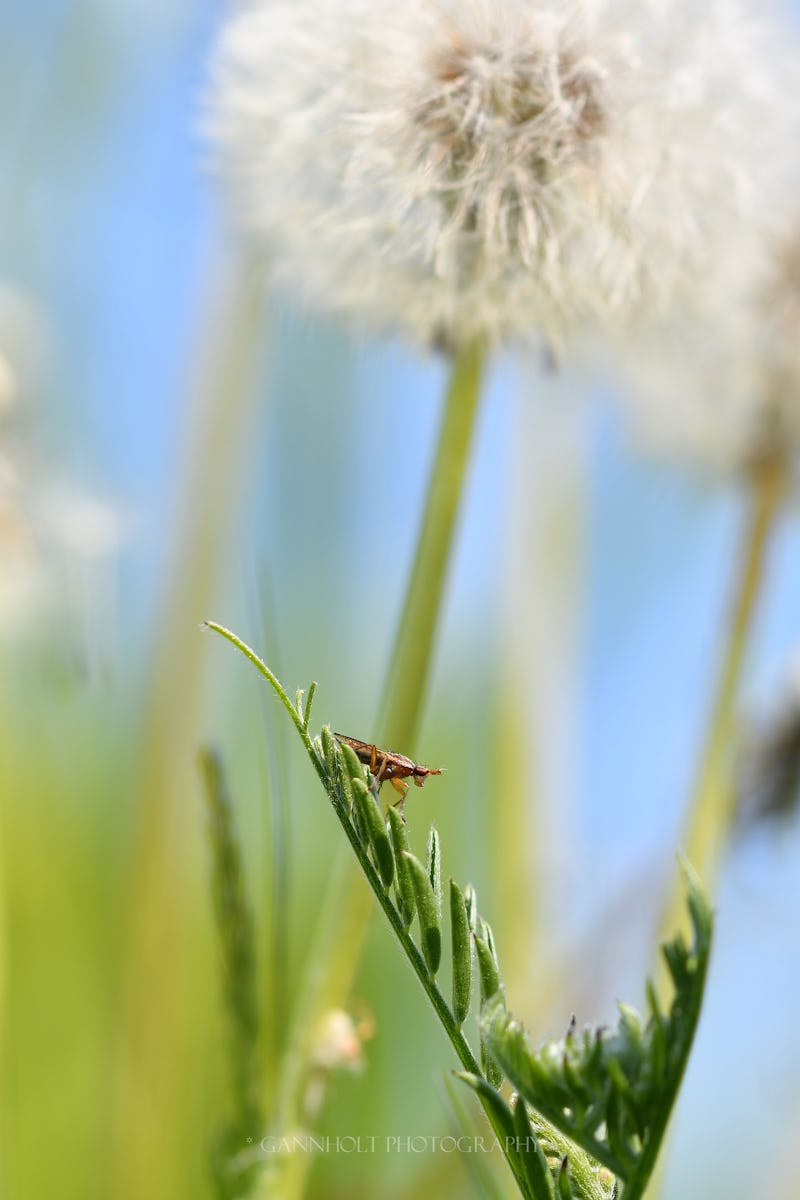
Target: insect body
387, 764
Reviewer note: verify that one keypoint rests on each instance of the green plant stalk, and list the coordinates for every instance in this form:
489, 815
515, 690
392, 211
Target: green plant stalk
431, 989
412, 656
712, 807
413, 955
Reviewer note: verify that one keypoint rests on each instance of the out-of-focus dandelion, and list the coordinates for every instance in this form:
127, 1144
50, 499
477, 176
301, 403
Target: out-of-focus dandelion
494, 168
58, 545
56, 540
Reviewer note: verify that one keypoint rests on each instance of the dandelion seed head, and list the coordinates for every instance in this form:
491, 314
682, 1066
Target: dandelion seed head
493, 168
718, 386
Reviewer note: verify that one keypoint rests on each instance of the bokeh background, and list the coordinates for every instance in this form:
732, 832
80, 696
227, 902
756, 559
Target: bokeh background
174, 446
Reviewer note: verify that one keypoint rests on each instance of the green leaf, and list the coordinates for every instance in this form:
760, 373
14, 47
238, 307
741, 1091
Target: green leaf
487, 968
309, 701
490, 983
471, 900
372, 821
461, 941
484, 932
330, 750
428, 913
405, 884
434, 863
564, 1184
495, 1100
531, 1154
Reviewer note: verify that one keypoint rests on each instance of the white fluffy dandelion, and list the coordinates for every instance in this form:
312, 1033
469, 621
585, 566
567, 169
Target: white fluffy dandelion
491, 168
717, 386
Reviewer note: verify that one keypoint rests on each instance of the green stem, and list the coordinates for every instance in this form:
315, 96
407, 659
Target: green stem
410, 665
439, 1004
712, 808
429, 985
297, 720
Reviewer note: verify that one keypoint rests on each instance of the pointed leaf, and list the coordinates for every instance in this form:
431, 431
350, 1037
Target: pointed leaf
471, 899
428, 913
531, 1155
487, 968
378, 839
462, 954
405, 883
434, 863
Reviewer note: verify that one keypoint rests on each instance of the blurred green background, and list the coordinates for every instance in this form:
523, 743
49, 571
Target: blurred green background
174, 447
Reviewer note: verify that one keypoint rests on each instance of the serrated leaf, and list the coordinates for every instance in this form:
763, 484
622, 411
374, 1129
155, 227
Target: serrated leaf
612, 1090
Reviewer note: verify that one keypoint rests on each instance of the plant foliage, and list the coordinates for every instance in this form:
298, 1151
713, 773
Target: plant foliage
590, 1112
612, 1090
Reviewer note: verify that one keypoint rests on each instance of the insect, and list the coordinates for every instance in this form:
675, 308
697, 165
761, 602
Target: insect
387, 764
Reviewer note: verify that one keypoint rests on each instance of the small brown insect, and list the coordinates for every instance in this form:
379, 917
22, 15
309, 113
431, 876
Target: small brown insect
387, 764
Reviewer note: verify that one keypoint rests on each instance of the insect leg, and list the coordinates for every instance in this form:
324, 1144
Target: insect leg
400, 787
381, 772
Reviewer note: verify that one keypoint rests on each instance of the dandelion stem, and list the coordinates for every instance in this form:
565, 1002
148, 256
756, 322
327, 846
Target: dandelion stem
410, 665
712, 806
